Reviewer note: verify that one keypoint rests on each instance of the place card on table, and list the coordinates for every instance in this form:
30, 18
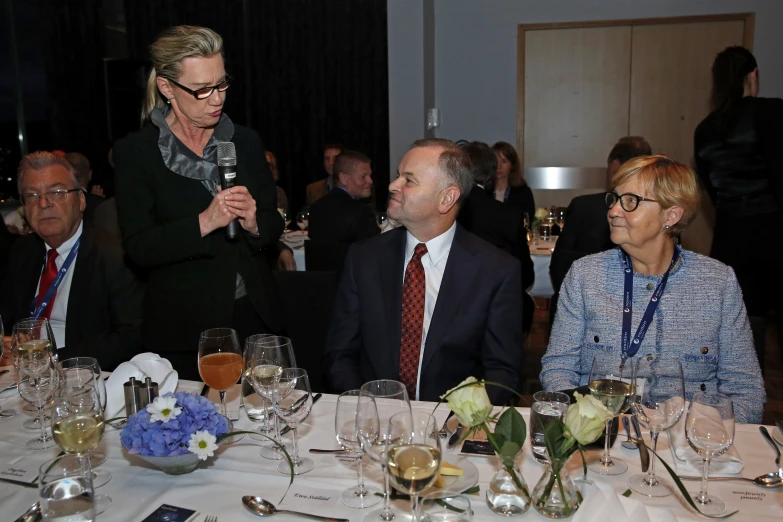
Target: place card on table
24, 468
303, 498
168, 513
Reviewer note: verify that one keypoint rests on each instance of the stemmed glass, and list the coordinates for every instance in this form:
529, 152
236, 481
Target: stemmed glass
372, 418
382, 219
611, 382
4, 414
91, 369
303, 219
37, 380
657, 406
293, 404
220, 363
265, 358
414, 455
77, 419
347, 423
286, 220
709, 428
35, 331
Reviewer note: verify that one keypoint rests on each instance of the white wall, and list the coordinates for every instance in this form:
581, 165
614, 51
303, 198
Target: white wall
476, 55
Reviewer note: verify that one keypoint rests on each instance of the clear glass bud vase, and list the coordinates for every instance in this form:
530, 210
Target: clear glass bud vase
555, 495
507, 493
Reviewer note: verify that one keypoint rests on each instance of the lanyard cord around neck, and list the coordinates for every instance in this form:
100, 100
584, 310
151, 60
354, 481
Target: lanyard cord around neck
36, 312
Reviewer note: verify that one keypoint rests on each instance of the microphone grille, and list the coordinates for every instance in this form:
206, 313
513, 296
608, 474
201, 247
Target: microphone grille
227, 154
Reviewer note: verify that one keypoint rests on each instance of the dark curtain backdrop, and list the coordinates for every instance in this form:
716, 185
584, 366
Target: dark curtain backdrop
73, 40
306, 72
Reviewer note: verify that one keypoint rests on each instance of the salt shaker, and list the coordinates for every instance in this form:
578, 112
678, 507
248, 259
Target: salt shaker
132, 396
149, 390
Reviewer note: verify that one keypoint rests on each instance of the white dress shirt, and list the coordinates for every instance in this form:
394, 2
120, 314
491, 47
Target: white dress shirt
60, 304
434, 262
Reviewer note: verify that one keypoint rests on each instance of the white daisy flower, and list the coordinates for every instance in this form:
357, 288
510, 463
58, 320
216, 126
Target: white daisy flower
203, 444
163, 409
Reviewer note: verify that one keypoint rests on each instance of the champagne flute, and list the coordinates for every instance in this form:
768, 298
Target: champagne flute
4, 414
37, 380
389, 398
293, 404
611, 382
346, 428
414, 455
77, 419
32, 333
220, 364
265, 358
658, 405
709, 428
92, 369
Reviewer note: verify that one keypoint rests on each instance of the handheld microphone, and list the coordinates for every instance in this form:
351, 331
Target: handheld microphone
227, 166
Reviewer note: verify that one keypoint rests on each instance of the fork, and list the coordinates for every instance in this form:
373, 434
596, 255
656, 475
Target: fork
211, 518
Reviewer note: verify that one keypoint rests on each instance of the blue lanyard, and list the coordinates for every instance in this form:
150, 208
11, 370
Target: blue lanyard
630, 348
56, 283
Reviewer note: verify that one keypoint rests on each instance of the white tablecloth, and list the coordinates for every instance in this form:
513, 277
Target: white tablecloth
217, 487
295, 240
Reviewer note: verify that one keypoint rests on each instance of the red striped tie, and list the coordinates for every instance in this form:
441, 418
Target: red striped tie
47, 278
413, 295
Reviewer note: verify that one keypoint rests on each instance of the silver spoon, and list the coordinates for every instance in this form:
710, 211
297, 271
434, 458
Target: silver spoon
770, 480
264, 508
771, 442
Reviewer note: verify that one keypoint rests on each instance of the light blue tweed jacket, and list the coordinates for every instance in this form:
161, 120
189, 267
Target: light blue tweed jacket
701, 319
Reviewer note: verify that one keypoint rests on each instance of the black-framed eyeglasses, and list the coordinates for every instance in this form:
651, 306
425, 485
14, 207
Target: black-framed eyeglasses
205, 92
53, 196
628, 201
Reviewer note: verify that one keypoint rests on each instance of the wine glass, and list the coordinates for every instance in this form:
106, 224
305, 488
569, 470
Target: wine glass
37, 380
441, 506
389, 398
77, 419
91, 369
286, 220
256, 407
32, 330
346, 428
709, 428
382, 219
302, 219
658, 405
4, 414
220, 363
414, 456
265, 358
293, 404
611, 382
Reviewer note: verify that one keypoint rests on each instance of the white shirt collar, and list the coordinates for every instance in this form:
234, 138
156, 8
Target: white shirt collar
437, 247
66, 247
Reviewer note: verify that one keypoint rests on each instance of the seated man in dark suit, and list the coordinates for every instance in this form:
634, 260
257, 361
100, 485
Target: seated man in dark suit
586, 229
428, 304
502, 225
318, 189
95, 308
339, 217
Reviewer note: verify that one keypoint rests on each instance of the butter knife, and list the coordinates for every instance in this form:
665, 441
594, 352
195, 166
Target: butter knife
316, 398
455, 437
644, 455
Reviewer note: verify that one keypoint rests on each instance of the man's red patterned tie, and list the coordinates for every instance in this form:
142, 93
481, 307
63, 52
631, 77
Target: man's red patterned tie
413, 294
47, 278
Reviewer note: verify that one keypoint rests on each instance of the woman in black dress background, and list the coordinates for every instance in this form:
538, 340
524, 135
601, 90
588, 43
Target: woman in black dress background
736, 151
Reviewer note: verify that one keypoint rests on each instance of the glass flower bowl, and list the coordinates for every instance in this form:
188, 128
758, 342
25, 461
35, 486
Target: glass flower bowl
176, 465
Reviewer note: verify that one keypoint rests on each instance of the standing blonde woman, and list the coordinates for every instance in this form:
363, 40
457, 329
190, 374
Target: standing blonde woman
172, 212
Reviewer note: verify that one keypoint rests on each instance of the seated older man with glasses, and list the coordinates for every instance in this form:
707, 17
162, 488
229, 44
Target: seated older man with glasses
69, 272
653, 295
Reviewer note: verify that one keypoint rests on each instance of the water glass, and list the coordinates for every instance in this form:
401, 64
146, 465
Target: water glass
445, 506
709, 428
65, 490
547, 407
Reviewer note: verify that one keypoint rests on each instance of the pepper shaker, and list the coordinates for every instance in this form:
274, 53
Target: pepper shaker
150, 390
132, 396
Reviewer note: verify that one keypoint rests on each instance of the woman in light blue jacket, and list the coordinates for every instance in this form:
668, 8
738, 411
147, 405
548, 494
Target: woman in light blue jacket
681, 303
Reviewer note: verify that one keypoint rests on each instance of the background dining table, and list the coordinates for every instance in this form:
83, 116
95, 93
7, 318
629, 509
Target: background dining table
216, 488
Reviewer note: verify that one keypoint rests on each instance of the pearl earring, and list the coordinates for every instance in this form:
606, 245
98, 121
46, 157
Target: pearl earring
168, 101
667, 227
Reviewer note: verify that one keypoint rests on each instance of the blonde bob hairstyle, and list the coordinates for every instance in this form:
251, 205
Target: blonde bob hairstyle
172, 46
670, 183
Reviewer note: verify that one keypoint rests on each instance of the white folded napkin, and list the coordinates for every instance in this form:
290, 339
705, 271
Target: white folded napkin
687, 461
142, 366
602, 503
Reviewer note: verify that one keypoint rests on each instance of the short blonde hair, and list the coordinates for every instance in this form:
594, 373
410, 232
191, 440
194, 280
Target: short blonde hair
167, 53
670, 183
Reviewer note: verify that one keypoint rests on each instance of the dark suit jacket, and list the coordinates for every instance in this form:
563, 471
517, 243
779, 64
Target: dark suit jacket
192, 280
93, 202
501, 225
520, 197
6, 242
475, 328
338, 218
104, 304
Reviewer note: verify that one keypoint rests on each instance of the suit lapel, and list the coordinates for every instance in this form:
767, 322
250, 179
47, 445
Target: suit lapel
457, 278
33, 267
391, 270
82, 272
